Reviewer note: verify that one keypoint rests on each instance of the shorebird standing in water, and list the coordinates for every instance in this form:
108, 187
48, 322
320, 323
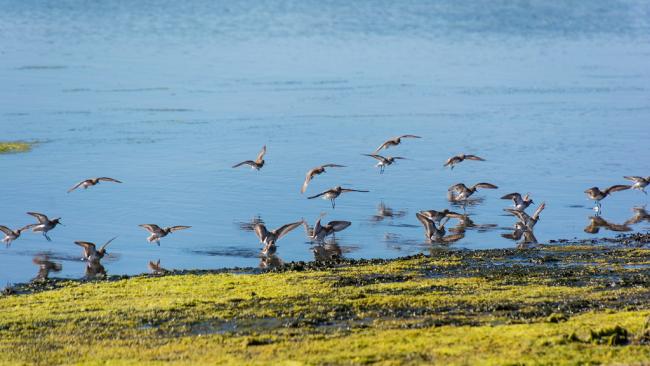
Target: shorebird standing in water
11, 235
319, 232
520, 203
317, 171
157, 232
460, 192
90, 250
384, 161
639, 182
395, 141
451, 162
333, 193
528, 221
269, 238
256, 164
595, 194
44, 224
92, 182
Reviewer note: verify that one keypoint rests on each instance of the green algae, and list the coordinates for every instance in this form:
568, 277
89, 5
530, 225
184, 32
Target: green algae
568, 305
14, 147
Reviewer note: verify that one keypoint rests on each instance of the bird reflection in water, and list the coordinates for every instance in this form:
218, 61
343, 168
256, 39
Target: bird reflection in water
270, 261
640, 215
94, 269
597, 222
156, 269
385, 212
45, 266
327, 251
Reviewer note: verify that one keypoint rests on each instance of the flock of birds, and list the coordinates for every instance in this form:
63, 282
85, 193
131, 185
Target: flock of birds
433, 221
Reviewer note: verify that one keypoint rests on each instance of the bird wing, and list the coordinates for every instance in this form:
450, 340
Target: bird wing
512, 196
260, 231
634, 178
285, 229
76, 186
452, 160
384, 145
339, 225
616, 188
106, 244
521, 215
107, 179
260, 156
39, 216
308, 177
474, 157
378, 157
410, 136
352, 190
178, 227
320, 194
426, 222
485, 185
6, 230
26, 227
247, 162
333, 166
539, 210
453, 238
89, 248
152, 228
459, 187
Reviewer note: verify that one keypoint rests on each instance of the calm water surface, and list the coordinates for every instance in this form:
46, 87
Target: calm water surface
166, 96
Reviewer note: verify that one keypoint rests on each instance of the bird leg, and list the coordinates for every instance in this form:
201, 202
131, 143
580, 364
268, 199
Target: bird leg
46, 237
333, 204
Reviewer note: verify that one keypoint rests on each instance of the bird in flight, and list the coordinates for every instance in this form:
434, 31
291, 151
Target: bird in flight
384, 161
451, 162
333, 193
92, 182
395, 141
317, 171
157, 232
256, 164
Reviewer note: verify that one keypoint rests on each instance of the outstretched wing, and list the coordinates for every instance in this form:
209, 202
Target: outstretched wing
106, 244
512, 196
178, 227
318, 195
410, 136
285, 229
353, 190
539, 210
378, 157
76, 186
521, 215
459, 187
384, 145
6, 230
426, 222
616, 188
39, 216
333, 166
339, 225
152, 228
260, 156
88, 246
107, 179
247, 162
308, 177
474, 157
26, 227
260, 231
485, 185
634, 178
452, 160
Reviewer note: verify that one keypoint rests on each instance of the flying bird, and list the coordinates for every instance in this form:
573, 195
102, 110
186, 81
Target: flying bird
317, 171
529, 222
460, 192
256, 164
92, 182
520, 203
11, 235
435, 233
270, 238
595, 194
639, 182
395, 141
158, 233
451, 162
44, 224
438, 216
333, 193
90, 250
319, 232
384, 161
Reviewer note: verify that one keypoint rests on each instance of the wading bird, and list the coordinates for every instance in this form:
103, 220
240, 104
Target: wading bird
384, 161
90, 250
317, 171
451, 162
528, 221
639, 182
271, 237
92, 182
431, 231
333, 193
11, 235
520, 203
460, 192
395, 141
44, 224
157, 232
595, 194
319, 232
256, 164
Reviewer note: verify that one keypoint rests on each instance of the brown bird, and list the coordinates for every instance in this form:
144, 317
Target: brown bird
11, 235
156, 269
271, 237
90, 250
460, 192
317, 171
528, 221
520, 203
44, 224
384, 161
92, 182
333, 193
157, 232
319, 232
257, 164
639, 182
431, 231
594, 193
438, 216
451, 162
395, 141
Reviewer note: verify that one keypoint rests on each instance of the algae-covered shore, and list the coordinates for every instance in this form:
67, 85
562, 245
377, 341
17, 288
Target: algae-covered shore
14, 146
569, 304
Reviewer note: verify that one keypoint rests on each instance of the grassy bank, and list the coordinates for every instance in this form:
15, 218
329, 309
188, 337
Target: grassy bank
554, 305
14, 147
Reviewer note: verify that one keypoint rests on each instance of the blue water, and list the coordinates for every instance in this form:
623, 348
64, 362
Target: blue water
167, 96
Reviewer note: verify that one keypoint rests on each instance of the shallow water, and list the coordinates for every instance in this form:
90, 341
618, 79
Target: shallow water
166, 96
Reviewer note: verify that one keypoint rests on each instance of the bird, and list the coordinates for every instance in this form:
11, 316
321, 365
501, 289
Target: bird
460, 192
595, 194
437, 216
319, 232
45, 266
257, 164
11, 235
317, 171
529, 222
431, 231
596, 222
269, 238
451, 162
639, 182
157, 232
44, 224
90, 249
520, 203
92, 182
156, 269
384, 161
640, 214
332, 193
395, 141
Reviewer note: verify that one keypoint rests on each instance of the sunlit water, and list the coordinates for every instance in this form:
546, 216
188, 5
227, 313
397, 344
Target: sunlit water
166, 96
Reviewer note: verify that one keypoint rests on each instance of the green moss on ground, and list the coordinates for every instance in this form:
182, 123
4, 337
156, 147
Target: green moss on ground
554, 305
14, 147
